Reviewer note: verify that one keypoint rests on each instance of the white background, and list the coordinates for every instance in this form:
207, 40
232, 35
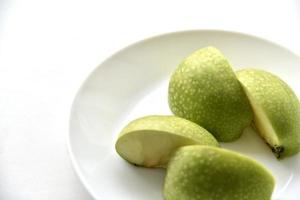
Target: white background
47, 49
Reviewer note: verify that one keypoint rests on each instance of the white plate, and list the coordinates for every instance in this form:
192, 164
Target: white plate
133, 83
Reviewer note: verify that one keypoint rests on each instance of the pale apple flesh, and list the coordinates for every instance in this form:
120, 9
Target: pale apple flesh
263, 125
150, 148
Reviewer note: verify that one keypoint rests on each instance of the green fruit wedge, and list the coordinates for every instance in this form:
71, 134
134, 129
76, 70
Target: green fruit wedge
149, 141
205, 90
208, 173
276, 109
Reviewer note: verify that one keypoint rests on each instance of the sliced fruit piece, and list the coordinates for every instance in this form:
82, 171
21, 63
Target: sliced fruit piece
149, 141
276, 108
205, 90
202, 172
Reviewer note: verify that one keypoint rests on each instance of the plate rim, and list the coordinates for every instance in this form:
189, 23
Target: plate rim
74, 161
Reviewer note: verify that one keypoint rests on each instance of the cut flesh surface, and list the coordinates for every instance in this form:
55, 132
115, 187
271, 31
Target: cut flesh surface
264, 126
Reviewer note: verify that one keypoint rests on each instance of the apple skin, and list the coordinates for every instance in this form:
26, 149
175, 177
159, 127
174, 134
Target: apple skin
276, 110
202, 172
205, 90
151, 140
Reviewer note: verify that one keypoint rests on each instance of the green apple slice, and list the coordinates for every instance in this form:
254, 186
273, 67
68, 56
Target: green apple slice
205, 90
149, 141
203, 172
276, 109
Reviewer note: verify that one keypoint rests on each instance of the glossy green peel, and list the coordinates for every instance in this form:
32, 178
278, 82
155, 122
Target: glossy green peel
276, 108
208, 173
205, 90
151, 140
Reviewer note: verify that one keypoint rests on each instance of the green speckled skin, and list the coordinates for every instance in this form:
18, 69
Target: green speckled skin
208, 173
171, 124
280, 105
156, 137
205, 90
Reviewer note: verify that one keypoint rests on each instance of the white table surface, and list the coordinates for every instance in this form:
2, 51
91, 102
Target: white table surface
47, 49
